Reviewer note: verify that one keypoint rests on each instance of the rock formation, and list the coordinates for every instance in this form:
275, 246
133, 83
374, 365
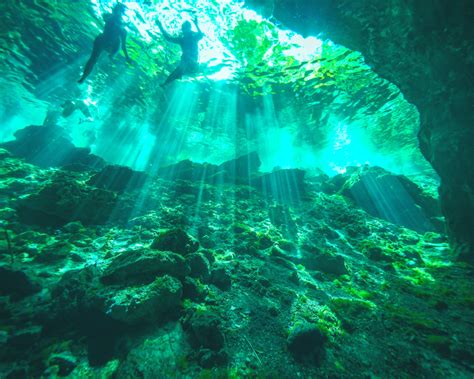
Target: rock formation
427, 50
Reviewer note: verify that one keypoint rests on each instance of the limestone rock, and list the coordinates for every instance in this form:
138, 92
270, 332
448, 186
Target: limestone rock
209, 358
143, 265
199, 266
444, 101
243, 167
65, 199
392, 197
325, 262
76, 294
16, 283
175, 240
65, 362
204, 330
221, 278
50, 146
158, 355
187, 170
305, 340
118, 178
135, 305
283, 185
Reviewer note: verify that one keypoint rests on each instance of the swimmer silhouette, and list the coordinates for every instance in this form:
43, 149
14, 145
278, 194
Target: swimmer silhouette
190, 52
113, 36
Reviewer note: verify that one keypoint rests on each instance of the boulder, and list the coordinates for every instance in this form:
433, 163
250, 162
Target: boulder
394, 198
65, 199
242, 168
65, 362
16, 283
50, 146
159, 354
118, 178
175, 240
187, 170
76, 295
221, 278
282, 185
148, 303
143, 266
324, 262
199, 266
209, 358
193, 290
204, 330
305, 340
54, 252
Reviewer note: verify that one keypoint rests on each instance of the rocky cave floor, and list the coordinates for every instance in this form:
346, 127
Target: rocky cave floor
186, 279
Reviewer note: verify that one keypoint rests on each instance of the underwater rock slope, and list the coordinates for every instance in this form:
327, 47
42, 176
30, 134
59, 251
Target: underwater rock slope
427, 50
181, 277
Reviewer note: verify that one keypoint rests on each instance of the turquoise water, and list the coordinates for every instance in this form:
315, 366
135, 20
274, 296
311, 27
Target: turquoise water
269, 214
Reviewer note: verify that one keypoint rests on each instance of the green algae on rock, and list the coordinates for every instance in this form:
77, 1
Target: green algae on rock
273, 215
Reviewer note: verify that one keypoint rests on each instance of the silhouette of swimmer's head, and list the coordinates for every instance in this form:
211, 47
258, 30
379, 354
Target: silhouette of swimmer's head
186, 27
119, 9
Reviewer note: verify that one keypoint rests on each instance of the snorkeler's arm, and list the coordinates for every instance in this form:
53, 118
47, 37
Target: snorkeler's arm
167, 36
200, 34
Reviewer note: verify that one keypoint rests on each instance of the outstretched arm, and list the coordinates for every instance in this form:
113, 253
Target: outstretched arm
167, 36
200, 33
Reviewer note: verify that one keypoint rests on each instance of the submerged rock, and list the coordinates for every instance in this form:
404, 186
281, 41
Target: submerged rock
187, 170
50, 146
16, 283
204, 330
76, 295
143, 265
199, 266
305, 340
324, 262
65, 362
54, 252
175, 240
25, 338
221, 278
394, 198
159, 354
283, 185
209, 358
65, 199
118, 178
242, 168
135, 305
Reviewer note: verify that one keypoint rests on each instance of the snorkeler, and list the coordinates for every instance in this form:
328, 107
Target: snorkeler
110, 40
190, 52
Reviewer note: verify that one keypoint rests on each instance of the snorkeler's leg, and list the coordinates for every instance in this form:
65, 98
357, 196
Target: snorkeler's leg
96, 51
176, 74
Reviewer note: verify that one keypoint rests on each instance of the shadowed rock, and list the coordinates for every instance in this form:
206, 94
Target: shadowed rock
437, 85
392, 197
65, 199
135, 305
16, 283
143, 266
51, 146
177, 241
118, 178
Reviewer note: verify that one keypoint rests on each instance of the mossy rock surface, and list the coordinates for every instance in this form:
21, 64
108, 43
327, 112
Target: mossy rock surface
175, 240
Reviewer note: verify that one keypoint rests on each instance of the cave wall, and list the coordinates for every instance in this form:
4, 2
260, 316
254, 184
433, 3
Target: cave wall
426, 48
